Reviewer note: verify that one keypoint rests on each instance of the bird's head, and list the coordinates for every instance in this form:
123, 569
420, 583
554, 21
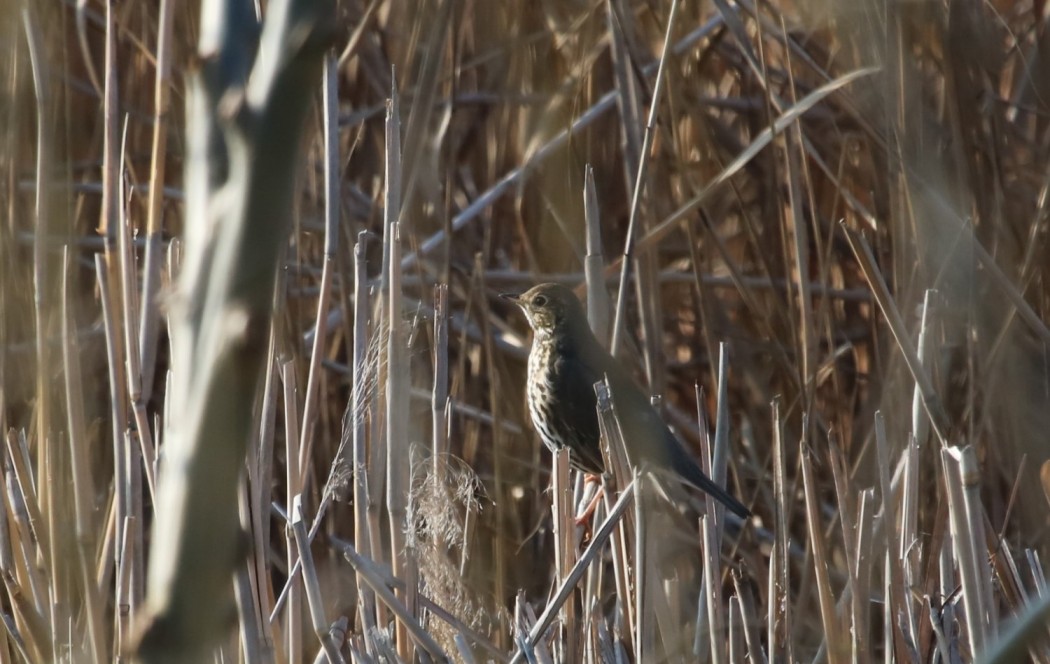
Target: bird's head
550, 308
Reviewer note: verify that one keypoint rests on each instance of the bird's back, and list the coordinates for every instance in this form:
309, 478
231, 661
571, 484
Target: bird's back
646, 436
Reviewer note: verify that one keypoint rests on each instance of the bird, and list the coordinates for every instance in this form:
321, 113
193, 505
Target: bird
565, 362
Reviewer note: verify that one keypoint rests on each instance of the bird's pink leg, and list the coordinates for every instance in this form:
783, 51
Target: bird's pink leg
585, 516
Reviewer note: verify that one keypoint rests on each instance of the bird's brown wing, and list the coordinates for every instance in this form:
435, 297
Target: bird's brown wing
680, 460
649, 440
574, 385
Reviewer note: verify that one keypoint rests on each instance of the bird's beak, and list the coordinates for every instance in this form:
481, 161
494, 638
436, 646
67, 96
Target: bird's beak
513, 297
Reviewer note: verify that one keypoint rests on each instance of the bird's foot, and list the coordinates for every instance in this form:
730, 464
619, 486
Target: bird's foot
584, 517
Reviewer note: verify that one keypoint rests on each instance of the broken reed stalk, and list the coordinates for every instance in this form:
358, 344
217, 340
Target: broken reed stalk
897, 594
260, 476
712, 589
330, 111
293, 483
43, 174
564, 530
778, 620
311, 583
118, 412
749, 617
969, 551
398, 466
359, 406
642, 580
439, 400
589, 555
617, 470
83, 487
865, 561
828, 614
149, 323
374, 578
858, 627
594, 262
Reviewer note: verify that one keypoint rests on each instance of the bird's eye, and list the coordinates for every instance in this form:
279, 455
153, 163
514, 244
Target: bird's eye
539, 301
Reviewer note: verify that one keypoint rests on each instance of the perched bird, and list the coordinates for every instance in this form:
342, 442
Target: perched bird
565, 362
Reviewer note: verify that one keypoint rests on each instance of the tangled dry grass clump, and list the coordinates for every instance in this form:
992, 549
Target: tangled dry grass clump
252, 364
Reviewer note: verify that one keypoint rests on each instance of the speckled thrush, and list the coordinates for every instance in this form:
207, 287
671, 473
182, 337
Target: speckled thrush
565, 361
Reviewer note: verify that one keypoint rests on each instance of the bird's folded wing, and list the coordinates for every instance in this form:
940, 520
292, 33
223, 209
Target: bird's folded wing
576, 410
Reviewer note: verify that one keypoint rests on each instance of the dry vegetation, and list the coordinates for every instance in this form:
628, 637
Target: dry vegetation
851, 196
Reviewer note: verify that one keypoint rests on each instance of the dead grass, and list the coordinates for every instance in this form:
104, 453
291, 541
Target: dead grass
852, 196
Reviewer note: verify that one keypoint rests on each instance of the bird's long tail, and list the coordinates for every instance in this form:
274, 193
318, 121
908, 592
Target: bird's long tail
697, 478
690, 471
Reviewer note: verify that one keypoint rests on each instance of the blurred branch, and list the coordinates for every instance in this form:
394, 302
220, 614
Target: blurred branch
244, 121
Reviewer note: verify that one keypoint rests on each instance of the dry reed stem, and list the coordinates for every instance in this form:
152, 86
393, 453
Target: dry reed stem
42, 227
564, 531
439, 400
620, 309
293, 482
260, 475
372, 577
614, 458
398, 470
828, 614
779, 616
935, 150
565, 588
594, 262
311, 584
712, 590
359, 398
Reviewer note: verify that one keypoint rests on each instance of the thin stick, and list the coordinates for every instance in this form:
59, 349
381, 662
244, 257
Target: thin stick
594, 262
779, 610
310, 581
118, 412
439, 401
261, 494
293, 486
643, 627
643, 163
828, 615
614, 455
358, 407
367, 570
938, 418
42, 226
564, 548
397, 447
862, 574
83, 489
330, 100
149, 323
895, 599
569, 583
750, 618
713, 589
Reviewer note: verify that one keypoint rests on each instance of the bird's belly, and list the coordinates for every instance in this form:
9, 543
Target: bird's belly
541, 411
